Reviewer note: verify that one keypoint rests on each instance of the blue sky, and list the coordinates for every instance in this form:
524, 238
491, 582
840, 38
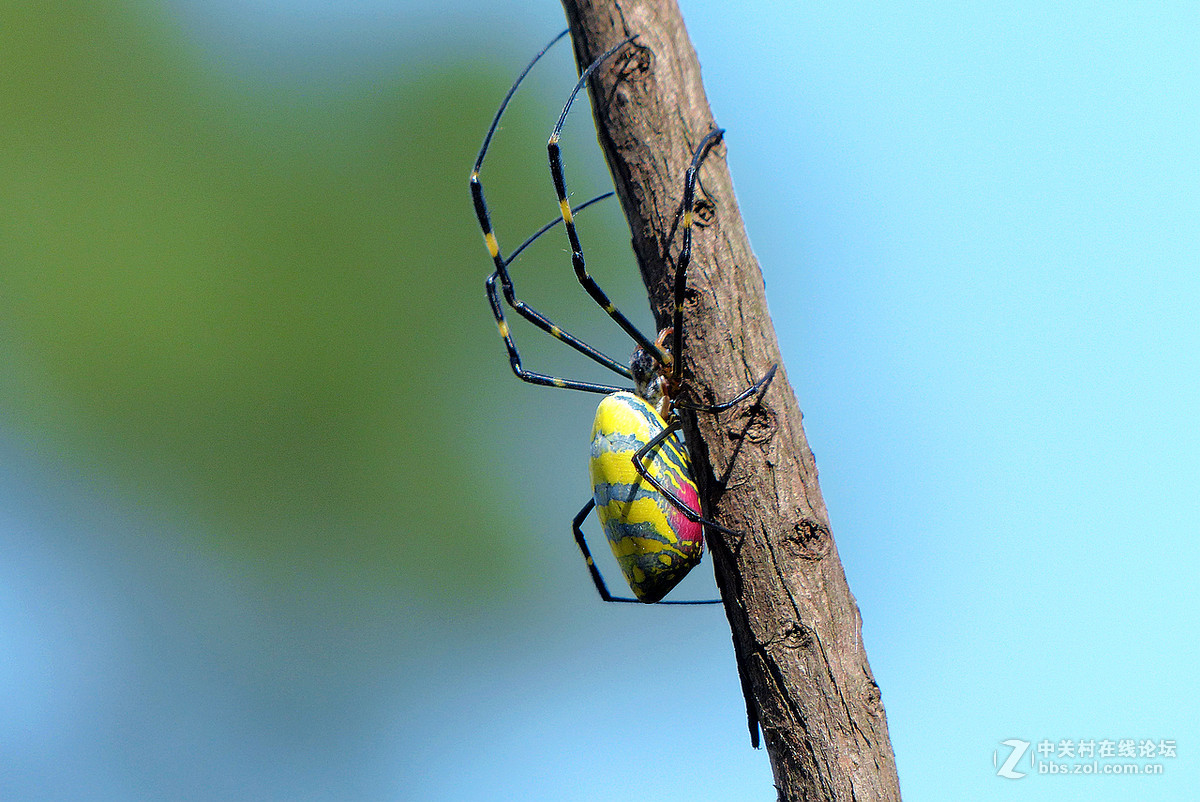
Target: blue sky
978, 229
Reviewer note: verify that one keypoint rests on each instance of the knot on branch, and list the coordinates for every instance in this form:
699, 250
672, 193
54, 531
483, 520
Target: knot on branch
874, 699
639, 62
704, 212
756, 424
795, 636
809, 539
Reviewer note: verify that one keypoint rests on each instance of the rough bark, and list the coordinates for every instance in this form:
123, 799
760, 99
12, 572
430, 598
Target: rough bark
796, 626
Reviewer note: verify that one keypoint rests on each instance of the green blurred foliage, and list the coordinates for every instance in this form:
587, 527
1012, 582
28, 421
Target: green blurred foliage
258, 308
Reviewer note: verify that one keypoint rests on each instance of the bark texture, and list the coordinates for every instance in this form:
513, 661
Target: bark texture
796, 626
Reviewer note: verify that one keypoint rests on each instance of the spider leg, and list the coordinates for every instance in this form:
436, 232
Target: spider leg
597, 579
481, 210
512, 257
560, 187
640, 466
506, 287
685, 259
685, 252
514, 358
760, 385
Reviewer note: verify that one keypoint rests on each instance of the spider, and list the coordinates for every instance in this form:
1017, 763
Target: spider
643, 488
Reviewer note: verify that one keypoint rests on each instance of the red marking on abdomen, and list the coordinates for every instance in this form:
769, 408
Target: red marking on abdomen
689, 532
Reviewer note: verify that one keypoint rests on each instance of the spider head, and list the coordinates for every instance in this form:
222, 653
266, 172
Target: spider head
651, 376
647, 374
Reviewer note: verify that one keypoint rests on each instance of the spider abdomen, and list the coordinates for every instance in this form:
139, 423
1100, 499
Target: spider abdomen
653, 540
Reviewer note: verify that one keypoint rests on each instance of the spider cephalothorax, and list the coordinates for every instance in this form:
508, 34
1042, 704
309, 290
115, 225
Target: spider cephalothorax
653, 377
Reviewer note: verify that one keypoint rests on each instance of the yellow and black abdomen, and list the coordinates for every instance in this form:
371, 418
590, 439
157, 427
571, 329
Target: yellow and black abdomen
652, 539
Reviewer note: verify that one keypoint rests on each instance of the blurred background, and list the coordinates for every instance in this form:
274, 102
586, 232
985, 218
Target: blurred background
277, 522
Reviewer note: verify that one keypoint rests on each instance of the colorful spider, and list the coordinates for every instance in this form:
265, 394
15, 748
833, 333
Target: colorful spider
643, 488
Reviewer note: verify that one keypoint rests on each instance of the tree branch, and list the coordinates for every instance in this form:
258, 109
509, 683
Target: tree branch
796, 626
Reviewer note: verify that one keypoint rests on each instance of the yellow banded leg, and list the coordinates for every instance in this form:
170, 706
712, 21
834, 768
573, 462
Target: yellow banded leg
685, 251
560, 188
